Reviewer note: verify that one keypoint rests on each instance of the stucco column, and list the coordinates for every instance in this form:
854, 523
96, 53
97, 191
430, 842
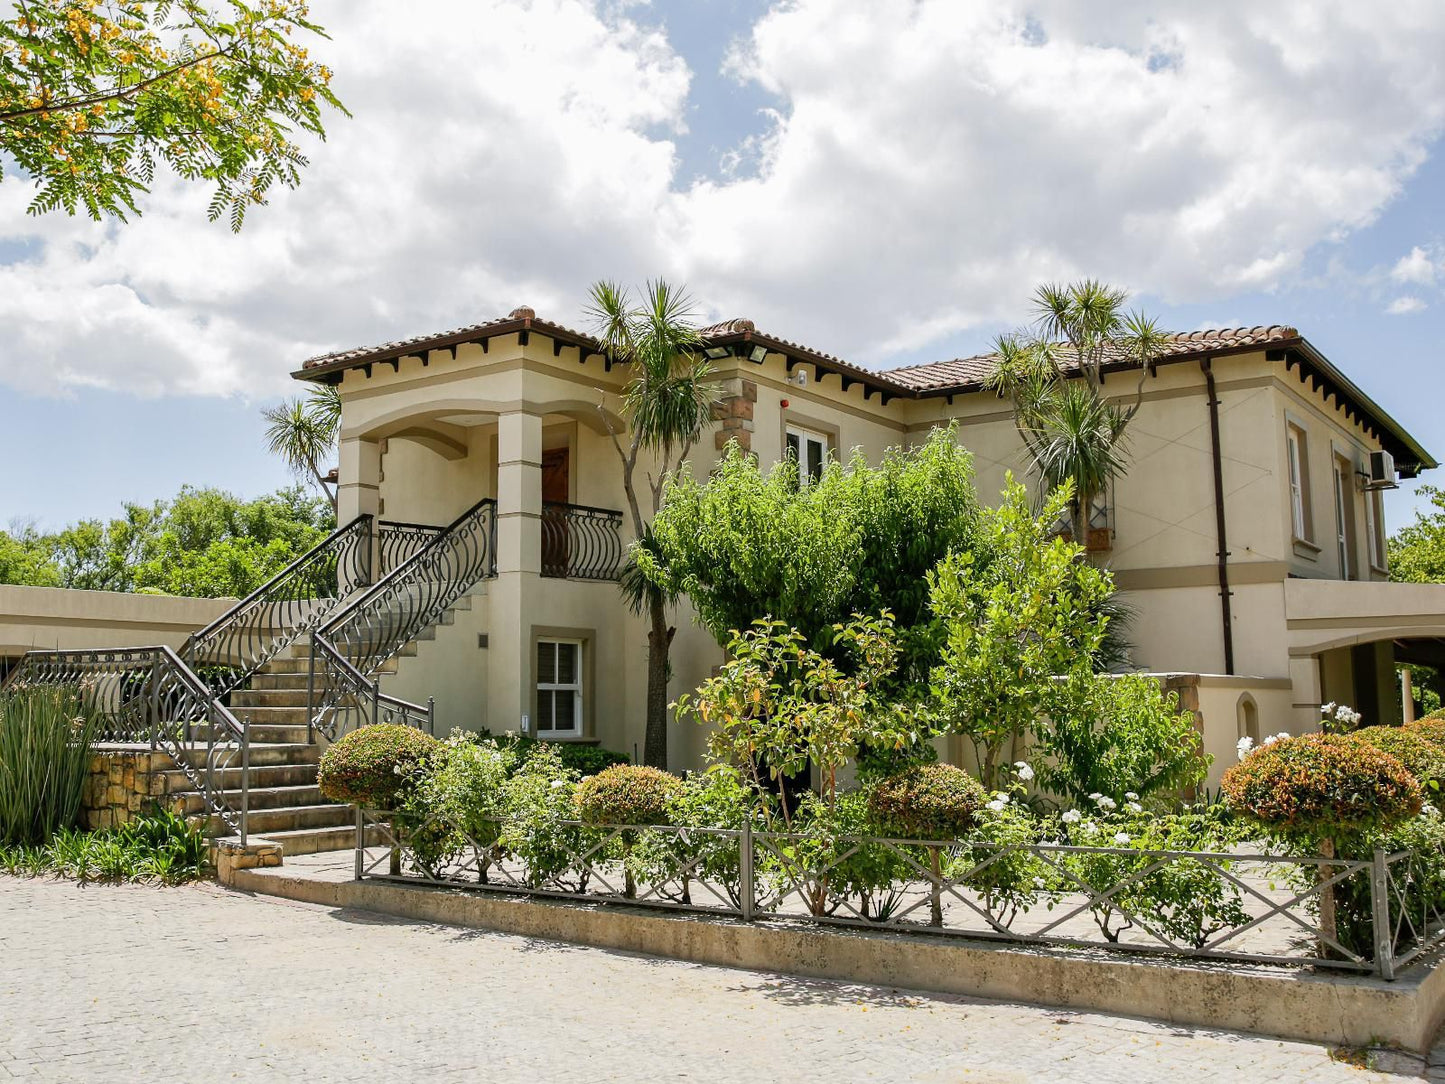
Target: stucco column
519, 567
358, 491
1407, 694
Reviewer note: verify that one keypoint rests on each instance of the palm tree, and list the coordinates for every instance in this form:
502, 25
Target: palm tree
1072, 432
667, 402
303, 433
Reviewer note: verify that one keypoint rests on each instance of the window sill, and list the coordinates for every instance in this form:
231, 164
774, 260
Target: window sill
1303, 547
569, 739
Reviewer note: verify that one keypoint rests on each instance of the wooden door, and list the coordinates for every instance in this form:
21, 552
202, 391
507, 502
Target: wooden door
556, 492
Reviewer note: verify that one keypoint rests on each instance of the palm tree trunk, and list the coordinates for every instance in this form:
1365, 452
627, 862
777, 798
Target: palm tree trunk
659, 641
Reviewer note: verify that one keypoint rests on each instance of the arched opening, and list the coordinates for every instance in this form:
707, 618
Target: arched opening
1247, 712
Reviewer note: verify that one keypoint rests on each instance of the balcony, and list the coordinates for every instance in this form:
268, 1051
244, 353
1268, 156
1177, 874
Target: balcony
580, 542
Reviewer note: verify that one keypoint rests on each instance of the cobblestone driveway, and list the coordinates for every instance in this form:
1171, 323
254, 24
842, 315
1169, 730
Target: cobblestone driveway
198, 984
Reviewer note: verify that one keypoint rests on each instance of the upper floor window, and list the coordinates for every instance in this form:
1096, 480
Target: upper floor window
1299, 482
559, 688
809, 450
1345, 517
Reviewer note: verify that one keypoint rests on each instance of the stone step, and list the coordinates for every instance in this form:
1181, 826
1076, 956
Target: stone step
272, 715
341, 837
265, 776
269, 698
262, 755
268, 682
262, 822
260, 798
301, 655
280, 733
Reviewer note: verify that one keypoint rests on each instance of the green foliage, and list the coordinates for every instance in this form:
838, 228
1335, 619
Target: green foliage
1119, 734
455, 803
92, 96
205, 543
935, 802
303, 434
576, 756
46, 736
744, 544
373, 766
540, 829
1321, 787
1417, 551
1422, 757
777, 706
155, 848
1419, 880
1020, 612
826, 858
627, 794
1432, 728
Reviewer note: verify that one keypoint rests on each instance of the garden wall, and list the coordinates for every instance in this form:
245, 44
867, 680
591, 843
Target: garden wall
121, 783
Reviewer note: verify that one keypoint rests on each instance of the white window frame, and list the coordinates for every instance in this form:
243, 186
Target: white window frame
1343, 541
1298, 476
574, 687
805, 437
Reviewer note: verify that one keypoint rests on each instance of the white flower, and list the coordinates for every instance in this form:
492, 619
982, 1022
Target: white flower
558, 784
1121, 838
1024, 771
1427, 810
1107, 804
1088, 828
1134, 807
1131, 796
1000, 796
1095, 796
997, 805
1244, 746
1038, 882
1327, 709
1072, 816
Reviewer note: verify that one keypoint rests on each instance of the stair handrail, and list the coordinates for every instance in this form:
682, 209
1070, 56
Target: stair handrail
391, 613
350, 692
249, 631
133, 688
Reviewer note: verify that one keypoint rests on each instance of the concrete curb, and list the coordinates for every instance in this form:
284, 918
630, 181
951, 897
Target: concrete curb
1342, 1010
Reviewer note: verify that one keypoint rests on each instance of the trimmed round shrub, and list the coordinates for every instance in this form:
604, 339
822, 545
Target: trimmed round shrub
627, 794
1431, 728
1422, 757
372, 764
927, 802
1322, 786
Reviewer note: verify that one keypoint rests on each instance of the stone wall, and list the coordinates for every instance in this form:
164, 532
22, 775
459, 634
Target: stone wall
121, 784
734, 410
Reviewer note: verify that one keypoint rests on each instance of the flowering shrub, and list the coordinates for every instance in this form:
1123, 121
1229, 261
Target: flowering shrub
1432, 728
538, 803
826, 861
456, 804
1321, 787
1422, 758
373, 765
714, 799
626, 794
935, 802
1338, 718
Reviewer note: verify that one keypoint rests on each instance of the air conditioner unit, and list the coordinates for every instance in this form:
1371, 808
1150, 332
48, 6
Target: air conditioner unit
1382, 471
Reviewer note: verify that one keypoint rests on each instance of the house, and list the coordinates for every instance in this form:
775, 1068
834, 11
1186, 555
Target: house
1247, 535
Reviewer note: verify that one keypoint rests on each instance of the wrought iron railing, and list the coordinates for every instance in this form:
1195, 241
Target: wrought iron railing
397, 543
148, 695
229, 650
1249, 906
372, 629
350, 699
580, 542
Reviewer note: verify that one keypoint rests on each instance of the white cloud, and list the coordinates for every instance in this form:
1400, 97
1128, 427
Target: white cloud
927, 164
1418, 266
1402, 306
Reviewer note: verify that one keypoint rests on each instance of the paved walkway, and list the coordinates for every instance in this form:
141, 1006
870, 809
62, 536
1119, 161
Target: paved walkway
199, 984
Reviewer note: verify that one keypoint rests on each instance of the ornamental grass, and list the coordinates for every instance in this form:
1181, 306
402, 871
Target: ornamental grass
46, 738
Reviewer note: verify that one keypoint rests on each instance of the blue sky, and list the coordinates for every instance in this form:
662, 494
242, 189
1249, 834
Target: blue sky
881, 181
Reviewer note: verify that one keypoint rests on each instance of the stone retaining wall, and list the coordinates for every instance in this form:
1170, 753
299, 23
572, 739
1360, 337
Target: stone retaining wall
123, 782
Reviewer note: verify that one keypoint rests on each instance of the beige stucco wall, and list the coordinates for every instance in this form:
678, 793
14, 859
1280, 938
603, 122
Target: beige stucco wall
51, 618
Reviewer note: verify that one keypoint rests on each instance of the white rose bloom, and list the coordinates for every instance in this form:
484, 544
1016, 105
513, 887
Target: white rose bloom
1025, 772
1095, 796
1244, 746
557, 784
1108, 805
1072, 816
1134, 807
1131, 796
1121, 838
997, 806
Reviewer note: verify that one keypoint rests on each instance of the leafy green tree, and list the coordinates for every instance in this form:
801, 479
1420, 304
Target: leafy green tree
1417, 551
205, 543
303, 433
93, 95
745, 543
1072, 432
1021, 616
667, 402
